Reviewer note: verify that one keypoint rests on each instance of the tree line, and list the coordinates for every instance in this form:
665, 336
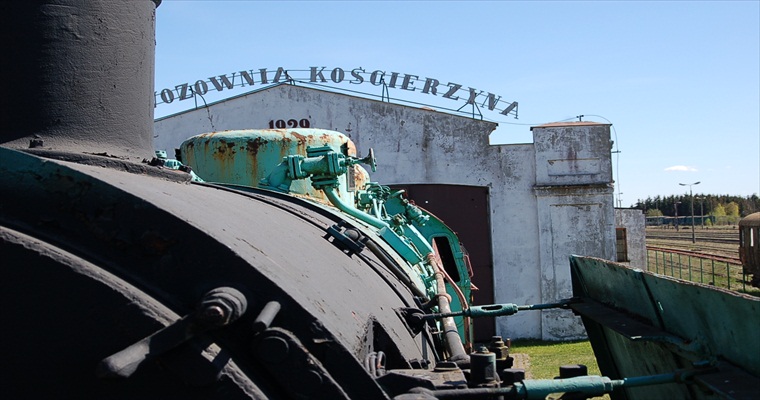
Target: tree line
734, 207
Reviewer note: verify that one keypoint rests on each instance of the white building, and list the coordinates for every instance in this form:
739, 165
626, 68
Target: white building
631, 244
520, 209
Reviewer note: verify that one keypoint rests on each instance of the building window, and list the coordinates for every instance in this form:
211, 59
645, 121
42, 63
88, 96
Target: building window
621, 243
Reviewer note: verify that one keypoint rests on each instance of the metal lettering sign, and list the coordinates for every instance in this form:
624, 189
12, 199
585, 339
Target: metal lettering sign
321, 75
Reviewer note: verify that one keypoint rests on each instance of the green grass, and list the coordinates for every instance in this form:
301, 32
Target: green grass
547, 357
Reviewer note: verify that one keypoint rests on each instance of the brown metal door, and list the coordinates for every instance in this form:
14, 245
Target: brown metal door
465, 210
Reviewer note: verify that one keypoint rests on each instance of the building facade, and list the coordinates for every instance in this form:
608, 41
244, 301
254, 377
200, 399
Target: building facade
630, 232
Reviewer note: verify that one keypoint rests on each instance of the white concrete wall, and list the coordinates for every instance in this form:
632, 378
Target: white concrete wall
575, 212
514, 222
634, 222
415, 145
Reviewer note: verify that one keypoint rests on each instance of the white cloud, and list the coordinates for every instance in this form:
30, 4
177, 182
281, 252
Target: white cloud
681, 168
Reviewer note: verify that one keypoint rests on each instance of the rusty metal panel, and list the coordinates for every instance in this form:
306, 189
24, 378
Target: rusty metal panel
245, 157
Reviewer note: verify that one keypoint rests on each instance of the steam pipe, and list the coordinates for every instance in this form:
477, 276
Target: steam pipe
450, 330
337, 202
463, 302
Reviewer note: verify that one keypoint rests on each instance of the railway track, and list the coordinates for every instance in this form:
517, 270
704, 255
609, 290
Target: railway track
711, 237
721, 242
713, 259
700, 254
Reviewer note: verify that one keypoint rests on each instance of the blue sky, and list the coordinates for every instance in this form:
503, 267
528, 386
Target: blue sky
679, 81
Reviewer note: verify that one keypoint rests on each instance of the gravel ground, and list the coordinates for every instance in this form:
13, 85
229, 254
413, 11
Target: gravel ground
522, 361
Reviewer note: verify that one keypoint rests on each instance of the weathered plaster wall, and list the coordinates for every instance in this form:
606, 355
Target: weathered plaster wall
575, 211
514, 221
415, 145
634, 222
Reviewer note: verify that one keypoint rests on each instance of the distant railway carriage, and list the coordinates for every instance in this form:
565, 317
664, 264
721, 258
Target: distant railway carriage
680, 221
749, 249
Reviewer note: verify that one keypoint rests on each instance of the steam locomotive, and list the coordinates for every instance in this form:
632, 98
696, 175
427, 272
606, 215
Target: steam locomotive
259, 263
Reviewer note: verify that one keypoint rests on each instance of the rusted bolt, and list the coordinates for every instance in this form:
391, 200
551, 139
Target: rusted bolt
221, 306
498, 347
483, 368
213, 315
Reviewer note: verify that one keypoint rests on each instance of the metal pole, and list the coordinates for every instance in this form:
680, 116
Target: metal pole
702, 211
680, 267
693, 235
656, 261
712, 262
691, 196
675, 206
701, 270
690, 268
728, 275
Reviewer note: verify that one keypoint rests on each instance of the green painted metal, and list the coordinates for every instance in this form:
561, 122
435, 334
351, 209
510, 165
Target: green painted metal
402, 245
596, 385
491, 310
580, 387
587, 385
324, 166
431, 228
641, 323
501, 310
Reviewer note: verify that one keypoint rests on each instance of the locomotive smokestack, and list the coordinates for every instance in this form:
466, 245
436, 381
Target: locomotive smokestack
78, 76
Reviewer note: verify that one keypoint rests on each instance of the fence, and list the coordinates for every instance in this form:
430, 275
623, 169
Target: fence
713, 270
708, 220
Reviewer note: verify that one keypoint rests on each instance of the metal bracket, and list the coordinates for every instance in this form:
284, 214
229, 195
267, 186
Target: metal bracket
348, 240
413, 318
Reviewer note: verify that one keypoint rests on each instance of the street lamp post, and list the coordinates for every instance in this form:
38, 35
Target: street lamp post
675, 207
702, 211
693, 234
